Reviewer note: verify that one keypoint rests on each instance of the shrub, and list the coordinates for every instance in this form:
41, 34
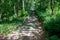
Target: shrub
52, 26
54, 38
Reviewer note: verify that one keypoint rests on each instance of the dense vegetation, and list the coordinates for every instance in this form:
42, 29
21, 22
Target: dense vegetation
13, 12
49, 14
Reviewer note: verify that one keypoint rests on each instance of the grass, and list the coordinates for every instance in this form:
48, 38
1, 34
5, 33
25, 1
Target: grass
10, 25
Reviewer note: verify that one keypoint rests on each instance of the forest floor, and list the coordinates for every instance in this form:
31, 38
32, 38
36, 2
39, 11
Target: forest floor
31, 29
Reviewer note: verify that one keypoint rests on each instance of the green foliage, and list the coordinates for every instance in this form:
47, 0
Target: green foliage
6, 27
51, 23
54, 38
52, 26
10, 10
12, 13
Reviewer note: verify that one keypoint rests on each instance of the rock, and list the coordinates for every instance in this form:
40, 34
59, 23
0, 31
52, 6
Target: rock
26, 38
1, 36
15, 36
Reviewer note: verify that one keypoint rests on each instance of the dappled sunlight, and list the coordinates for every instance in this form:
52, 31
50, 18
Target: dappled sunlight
29, 19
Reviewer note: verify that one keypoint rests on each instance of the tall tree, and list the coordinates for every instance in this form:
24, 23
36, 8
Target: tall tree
23, 6
52, 7
16, 8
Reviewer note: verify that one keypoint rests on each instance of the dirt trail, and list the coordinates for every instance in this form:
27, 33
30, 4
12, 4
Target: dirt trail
33, 31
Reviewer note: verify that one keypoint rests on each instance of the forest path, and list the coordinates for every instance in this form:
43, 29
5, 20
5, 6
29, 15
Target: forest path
33, 23
31, 29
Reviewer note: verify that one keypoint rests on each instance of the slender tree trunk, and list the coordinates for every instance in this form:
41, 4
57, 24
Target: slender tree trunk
59, 7
29, 6
23, 7
16, 8
52, 7
40, 5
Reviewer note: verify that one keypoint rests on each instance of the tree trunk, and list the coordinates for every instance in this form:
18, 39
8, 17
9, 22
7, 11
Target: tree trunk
52, 7
23, 8
16, 8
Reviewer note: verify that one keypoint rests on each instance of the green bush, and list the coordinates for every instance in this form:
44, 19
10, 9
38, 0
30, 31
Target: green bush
52, 25
54, 38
